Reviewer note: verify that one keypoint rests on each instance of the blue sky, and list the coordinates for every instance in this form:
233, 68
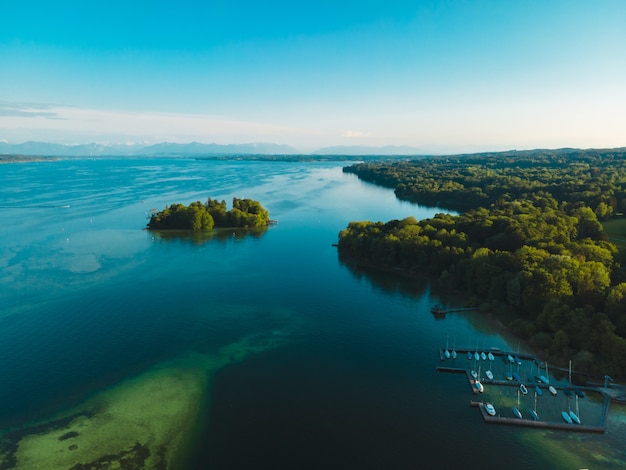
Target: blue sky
441, 76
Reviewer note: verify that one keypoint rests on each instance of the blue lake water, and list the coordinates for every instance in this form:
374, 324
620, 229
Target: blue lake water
89, 298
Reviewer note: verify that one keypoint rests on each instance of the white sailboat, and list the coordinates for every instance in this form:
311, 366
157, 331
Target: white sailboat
545, 378
478, 384
572, 415
575, 416
533, 412
516, 411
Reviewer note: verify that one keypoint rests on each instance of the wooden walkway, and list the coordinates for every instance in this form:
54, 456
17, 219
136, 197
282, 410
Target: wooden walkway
546, 424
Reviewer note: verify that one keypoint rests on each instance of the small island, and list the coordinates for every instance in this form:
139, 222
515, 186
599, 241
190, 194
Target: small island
245, 213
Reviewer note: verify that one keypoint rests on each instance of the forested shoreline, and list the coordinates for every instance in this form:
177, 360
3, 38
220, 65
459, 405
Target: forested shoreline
529, 246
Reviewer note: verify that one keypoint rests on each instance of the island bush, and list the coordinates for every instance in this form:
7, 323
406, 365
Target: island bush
245, 213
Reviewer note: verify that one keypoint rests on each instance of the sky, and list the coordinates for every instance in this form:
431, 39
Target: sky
438, 75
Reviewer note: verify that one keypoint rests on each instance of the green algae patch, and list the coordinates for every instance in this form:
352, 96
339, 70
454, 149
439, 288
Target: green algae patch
146, 422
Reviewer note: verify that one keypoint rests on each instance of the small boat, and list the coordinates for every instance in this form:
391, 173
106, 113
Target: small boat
453, 353
566, 417
579, 393
545, 378
478, 384
538, 391
490, 409
483, 356
533, 412
516, 411
537, 379
490, 356
568, 393
438, 310
518, 360
489, 374
574, 417
552, 390
523, 389
510, 358
476, 356
516, 376
474, 374
469, 356
447, 352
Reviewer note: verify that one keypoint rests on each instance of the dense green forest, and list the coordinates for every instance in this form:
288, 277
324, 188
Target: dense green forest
245, 213
530, 245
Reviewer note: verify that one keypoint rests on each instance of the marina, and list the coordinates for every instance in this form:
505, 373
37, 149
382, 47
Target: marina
501, 394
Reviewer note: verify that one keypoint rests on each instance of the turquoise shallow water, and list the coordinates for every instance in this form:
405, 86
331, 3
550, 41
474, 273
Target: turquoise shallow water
89, 298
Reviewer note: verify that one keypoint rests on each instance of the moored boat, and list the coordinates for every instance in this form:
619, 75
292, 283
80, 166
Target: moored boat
516, 376
534, 414
552, 390
538, 390
574, 417
489, 374
523, 389
566, 417
490, 409
490, 356
516, 412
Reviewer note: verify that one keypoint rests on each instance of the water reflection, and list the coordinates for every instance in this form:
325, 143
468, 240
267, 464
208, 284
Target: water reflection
402, 283
201, 237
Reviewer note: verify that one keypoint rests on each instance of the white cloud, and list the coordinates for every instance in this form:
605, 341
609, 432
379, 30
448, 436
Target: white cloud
354, 134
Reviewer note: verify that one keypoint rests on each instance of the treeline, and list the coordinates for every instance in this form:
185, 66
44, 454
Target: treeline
595, 177
245, 213
541, 261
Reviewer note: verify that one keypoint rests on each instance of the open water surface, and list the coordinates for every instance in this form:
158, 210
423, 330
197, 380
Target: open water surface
89, 298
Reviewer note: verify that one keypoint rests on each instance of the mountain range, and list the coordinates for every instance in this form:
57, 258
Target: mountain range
194, 148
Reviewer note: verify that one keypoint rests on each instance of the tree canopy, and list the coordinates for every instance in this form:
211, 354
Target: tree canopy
245, 213
530, 244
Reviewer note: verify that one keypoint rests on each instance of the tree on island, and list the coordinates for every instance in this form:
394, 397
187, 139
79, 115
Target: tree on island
245, 213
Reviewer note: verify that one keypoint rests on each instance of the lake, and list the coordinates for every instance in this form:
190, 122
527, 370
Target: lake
236, 349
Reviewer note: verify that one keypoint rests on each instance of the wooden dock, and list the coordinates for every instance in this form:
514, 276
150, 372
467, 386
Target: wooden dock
545, 424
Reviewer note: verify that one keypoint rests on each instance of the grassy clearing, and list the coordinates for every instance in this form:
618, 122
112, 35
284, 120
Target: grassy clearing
616, 230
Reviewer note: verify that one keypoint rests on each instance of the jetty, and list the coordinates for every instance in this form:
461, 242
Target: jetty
440, 311
546, 424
